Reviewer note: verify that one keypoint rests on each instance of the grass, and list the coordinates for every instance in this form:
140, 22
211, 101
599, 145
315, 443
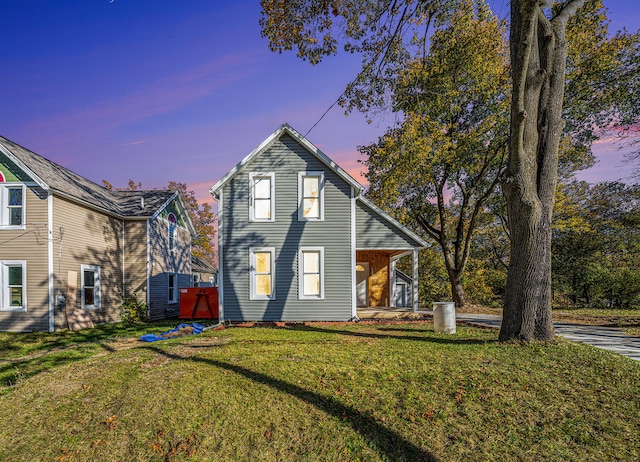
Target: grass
319, 392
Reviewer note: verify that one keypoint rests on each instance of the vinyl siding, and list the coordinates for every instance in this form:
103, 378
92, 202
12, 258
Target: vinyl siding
162, 262
135, 259
88, 238
30, 245
372, 232
286, 157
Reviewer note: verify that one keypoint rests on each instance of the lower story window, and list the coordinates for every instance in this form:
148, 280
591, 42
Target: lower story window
90, 286
13, 278
311, 273
173, 288
262, 273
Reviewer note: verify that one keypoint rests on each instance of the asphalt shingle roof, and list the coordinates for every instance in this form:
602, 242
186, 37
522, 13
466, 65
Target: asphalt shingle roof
66, 182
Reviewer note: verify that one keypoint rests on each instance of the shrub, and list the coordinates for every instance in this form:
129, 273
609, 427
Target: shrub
133, 310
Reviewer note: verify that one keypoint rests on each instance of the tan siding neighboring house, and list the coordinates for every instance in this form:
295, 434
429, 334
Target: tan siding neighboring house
29, 245
70, 224
135, 264
90, 239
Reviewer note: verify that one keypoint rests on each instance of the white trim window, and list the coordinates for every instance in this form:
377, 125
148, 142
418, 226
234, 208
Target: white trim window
172, 288
310, 196
262, 273
311, 273
172, 233
262, 205
12, 200
90, 292
13, 275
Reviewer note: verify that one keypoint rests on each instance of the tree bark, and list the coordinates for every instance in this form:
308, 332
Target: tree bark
538, 60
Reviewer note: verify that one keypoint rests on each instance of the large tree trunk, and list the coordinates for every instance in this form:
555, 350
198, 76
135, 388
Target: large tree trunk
538, 60
457, 291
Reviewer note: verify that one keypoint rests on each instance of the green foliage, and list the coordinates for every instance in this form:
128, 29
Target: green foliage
132, 310
596, 245
436, 170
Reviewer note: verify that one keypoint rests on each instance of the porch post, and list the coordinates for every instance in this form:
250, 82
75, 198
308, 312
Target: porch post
415, 280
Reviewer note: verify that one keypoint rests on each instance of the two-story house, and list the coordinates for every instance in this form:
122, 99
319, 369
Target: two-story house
297, 241
59, 230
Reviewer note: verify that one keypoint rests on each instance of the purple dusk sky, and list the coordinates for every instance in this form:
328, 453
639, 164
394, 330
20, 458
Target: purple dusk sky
163, 90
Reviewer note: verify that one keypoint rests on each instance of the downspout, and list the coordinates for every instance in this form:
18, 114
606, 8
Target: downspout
354, 308
415, 280
124, 288
220, 259
50, 261
148, 274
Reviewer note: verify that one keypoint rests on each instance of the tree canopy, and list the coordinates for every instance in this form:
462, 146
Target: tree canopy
392, 35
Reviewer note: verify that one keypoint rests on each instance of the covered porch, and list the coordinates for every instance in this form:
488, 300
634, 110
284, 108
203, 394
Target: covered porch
379, 281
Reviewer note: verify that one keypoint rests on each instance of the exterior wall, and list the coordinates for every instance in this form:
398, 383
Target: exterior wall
285, 157
374, 233
30, 245
87, 237
378, 282
162, 262
135, 259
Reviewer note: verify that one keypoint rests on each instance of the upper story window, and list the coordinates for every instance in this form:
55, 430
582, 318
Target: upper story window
13, 280
311, 196
262, 202
172, 242
12, 201
90, 275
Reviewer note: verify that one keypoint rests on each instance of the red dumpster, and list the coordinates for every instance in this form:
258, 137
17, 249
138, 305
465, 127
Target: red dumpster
199, 303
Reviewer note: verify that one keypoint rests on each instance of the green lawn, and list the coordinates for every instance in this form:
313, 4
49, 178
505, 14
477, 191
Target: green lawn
314, 392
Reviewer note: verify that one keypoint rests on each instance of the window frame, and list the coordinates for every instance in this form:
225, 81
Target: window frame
5, 300
301, 196
97, 292
253, 273
172, 235
5, 217
302, 273
172, 300
252, 199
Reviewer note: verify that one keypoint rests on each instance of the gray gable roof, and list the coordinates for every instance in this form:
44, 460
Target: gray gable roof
282, 130
64, 182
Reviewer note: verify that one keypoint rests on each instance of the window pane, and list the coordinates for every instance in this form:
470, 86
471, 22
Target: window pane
262, 209
88, 296
311, 262
263, 262
311, 208
16, 296
311, 284
15, 275
263, 284
89, 279
311, 186
15, 216
262, 188
15, 196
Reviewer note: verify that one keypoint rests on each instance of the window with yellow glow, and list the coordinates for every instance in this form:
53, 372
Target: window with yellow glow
311, 272
262, 273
